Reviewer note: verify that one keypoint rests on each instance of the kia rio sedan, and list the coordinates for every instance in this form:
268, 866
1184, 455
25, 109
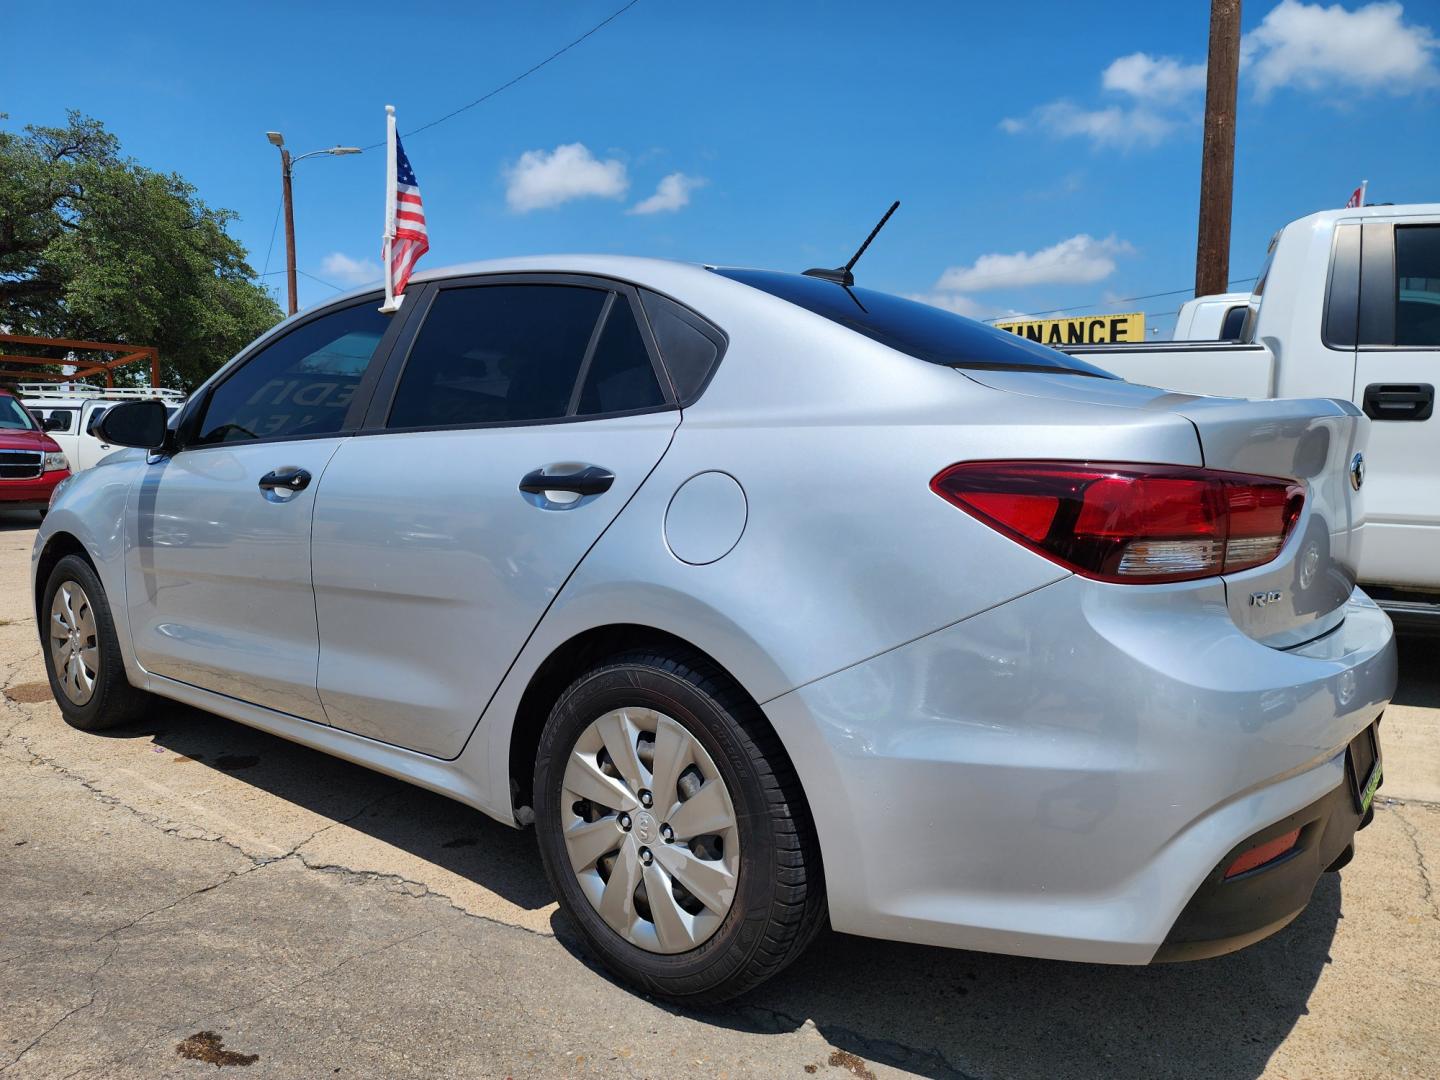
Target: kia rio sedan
766, 600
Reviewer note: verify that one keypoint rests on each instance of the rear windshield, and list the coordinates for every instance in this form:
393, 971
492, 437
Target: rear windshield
919, 330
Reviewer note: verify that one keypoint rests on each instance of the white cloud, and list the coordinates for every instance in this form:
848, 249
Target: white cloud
1317, 48
1113, 125
544, 178
1153, 78
1080, 260
341, 267
672, 193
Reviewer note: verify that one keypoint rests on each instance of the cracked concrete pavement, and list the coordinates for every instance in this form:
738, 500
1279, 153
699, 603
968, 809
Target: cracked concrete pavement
191, 875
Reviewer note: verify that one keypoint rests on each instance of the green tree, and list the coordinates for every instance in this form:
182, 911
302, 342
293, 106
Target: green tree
94, 245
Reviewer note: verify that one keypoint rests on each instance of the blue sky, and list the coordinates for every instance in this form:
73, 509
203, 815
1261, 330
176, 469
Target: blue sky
1044, 157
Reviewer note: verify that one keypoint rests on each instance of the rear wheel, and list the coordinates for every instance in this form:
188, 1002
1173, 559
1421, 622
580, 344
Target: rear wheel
82, 652
673, 829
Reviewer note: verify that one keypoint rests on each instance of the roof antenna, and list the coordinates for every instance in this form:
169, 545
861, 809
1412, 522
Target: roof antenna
841, 275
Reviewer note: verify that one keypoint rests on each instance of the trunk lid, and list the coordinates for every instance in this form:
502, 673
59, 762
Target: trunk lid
1300, 594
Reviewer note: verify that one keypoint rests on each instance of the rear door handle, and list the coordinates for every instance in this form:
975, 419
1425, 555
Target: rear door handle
289, 478
1399, 401
591, 480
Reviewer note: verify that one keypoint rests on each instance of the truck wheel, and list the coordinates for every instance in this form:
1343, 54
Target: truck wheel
82, 653
673, 828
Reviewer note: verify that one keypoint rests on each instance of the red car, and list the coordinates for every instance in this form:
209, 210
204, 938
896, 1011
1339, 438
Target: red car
31, 463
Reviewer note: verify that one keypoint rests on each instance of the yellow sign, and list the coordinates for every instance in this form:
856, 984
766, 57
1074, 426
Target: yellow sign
1083, 330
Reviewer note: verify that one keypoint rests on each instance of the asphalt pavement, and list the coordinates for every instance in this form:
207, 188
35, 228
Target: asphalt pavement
190, 894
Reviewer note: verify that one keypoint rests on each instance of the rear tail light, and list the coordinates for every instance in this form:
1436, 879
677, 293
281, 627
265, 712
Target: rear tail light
1130, 523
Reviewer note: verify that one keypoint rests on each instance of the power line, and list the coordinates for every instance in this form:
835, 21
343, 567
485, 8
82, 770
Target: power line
273, 226
523, 75
322, 281
1105, 303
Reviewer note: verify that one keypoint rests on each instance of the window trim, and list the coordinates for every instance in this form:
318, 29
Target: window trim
193, 414
696, 322
1375, 323
1340, 316
377, 416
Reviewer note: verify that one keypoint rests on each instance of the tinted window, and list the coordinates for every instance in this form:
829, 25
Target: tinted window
919, 330
13, 416
1417, 285
497, 354
1233, 323
300, 385
96, 415
688, 352
620, 376
63, 419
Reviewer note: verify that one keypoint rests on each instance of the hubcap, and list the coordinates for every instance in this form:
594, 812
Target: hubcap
74, 646
661, 872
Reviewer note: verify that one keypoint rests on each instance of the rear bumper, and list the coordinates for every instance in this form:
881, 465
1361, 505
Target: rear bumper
34, 492
1059, 776
1228, 914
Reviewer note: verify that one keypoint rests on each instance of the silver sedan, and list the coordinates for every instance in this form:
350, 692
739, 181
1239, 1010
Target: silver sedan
765, 600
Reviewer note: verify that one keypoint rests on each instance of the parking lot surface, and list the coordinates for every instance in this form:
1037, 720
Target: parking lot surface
189, 894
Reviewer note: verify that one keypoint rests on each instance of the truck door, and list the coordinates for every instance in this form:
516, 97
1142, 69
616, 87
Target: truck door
1397, 365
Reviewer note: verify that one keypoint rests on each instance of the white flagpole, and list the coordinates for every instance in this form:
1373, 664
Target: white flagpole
391, 303
1363, 185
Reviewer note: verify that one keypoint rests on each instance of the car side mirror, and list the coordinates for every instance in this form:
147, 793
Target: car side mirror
53, 423
135, 423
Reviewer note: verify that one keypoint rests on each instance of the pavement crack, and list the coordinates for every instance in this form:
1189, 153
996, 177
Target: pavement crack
415, 890
1427, 887
926, 1061
69, 1014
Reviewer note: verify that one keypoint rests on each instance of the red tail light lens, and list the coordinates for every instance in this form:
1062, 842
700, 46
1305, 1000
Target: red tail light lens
1130, 523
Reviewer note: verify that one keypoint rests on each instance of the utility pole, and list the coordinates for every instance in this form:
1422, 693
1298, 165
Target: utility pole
1217, 164
287, 164
290, 229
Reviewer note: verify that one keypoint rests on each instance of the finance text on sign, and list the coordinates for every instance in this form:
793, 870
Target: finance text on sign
1085, 330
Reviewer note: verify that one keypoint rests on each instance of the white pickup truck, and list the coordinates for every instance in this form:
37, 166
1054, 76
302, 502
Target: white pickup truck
68, 413
1348, 307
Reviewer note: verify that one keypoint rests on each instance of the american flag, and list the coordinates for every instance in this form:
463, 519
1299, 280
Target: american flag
1357, 197
411, 239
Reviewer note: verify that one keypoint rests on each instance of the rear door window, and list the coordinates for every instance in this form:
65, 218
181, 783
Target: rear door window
499, 354
919, 330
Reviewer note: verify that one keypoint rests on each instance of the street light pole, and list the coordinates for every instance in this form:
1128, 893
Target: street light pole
289, 229
287, 164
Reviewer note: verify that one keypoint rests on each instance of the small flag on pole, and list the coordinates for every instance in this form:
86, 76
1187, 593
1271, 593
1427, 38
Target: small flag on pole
1357, 197
406, 237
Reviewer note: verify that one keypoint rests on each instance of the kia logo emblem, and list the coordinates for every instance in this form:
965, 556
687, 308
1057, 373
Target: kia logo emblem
1357, 471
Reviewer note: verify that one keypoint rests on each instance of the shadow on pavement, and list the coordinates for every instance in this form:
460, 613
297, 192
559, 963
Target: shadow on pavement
1419, 671
439, 830
12, 520
945, 1013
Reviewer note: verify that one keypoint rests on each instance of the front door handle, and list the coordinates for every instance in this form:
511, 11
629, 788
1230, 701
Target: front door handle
290, 478
591, 480
1399, 401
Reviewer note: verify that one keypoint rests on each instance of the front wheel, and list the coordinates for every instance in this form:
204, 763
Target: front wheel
82, 652
673, 828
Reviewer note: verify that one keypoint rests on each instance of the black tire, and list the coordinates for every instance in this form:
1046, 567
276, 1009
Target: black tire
779, 902
114, 701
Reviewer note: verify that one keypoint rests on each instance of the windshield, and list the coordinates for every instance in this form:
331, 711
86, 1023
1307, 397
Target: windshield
13, 416
919, 330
